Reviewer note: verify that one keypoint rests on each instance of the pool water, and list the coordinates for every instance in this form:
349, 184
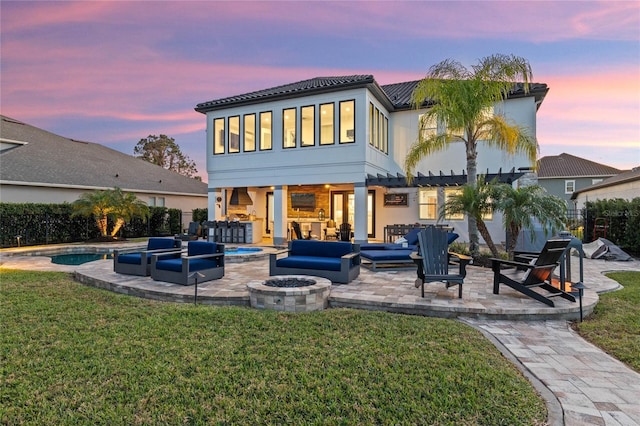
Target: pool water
79, 258
241, 250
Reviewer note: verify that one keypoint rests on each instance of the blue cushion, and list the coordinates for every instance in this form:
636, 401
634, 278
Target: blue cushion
200, 264
412, 236
170, 265
131, 258
320, 248
196, 248
160, 243
378, 255
310, 262
451, 237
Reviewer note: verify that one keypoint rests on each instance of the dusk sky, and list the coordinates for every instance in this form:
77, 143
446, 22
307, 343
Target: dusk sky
116, 72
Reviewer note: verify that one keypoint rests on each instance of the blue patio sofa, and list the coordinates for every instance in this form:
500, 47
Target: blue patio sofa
337, 261
377, 256
138, 262
202, 257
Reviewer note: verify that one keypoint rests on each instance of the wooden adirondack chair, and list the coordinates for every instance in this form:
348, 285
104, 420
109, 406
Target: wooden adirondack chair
538, 273
434, 259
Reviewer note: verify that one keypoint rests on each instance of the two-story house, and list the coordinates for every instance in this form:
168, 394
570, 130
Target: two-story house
332, 149
562, 175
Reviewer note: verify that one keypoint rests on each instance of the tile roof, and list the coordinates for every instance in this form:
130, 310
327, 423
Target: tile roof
54, 160
624, 177
395, 96
291, 90
566, 165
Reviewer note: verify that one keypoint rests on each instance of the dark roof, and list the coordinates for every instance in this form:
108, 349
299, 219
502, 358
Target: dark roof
400, 93
566, 165
301, 88
624, 177
395, 96
46, 158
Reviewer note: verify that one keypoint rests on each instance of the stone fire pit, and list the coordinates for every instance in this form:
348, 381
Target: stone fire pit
290, 293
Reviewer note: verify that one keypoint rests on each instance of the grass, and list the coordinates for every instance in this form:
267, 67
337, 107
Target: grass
72, 354
614, 325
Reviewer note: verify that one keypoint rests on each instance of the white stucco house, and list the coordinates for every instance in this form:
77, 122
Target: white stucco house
332, 148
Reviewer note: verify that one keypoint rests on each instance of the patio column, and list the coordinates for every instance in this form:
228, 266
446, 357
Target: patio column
280, 215
360, 215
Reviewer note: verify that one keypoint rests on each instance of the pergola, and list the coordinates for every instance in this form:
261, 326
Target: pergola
440, 179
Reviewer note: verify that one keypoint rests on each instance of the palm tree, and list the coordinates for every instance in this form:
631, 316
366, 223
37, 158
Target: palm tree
520, 207
475, 200
97, 204
461, 99
126, 206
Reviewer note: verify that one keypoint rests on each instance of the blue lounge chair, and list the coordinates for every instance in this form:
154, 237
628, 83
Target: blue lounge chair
203, 261
137, 262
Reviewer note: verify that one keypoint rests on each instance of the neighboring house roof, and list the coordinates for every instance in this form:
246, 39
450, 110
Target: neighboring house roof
394, 96
32, 156
625, 177
567, 166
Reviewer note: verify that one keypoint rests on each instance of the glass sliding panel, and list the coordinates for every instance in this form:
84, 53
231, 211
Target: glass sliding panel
218, 136
371, 124
327, 134
371, 202
308, 125
265, 130
289, 128
347, 122
428, 202
338, 209
249, 132
234, 133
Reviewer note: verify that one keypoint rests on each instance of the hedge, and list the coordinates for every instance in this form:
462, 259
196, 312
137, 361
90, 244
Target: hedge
39, 223
622, 219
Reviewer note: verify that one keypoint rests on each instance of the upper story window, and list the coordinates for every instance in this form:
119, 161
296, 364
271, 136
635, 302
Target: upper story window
594, 181
218, 136
378, 129
427, 126
569, 186
308, 126
289, 128
234, 134
327, 133
266, 130
249, 132
347, 121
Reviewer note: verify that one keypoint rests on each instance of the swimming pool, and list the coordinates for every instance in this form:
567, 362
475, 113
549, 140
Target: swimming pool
241, 250
79, 258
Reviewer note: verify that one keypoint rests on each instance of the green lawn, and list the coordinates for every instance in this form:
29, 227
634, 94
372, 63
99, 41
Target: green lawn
615, 323
72, 354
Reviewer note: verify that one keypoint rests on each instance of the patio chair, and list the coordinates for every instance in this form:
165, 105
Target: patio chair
296, 230
138, 262
204, 258
538, 273
345, 232
433, 259
192, 233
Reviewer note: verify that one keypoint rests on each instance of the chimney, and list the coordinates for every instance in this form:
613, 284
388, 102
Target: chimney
240, 197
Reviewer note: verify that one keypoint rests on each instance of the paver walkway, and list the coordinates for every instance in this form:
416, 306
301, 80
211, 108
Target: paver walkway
582, 384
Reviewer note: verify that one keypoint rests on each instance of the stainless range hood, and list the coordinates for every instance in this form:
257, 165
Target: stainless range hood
240, 197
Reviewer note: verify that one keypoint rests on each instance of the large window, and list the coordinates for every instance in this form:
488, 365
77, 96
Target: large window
250, 132
378, 129
308, 127
266, 126
327, 135
385, 136
428, 126
372, 126
234, 133
347, 122
218, 136
289, 128
448, 193
428, 203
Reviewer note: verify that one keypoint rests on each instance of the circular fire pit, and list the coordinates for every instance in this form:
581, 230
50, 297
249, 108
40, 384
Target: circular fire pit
291, 293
